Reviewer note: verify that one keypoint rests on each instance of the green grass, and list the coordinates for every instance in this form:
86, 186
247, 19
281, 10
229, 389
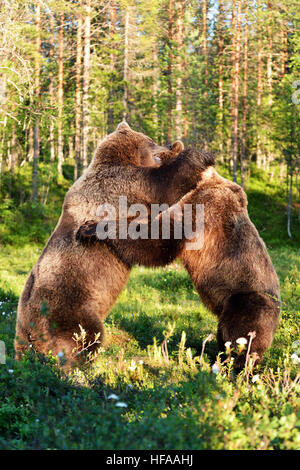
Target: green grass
174, 401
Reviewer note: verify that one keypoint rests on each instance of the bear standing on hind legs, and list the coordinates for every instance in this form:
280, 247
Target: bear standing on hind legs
232, 270
79, 284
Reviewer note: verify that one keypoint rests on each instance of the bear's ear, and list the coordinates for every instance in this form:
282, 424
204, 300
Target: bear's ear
177, 147
123, 126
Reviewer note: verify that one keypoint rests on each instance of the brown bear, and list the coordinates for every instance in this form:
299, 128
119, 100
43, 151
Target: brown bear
231, 271
72, 284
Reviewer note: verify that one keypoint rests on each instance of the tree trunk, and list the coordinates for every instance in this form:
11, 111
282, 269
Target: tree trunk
86, 82
290, 202
204, 21
60, 146
259, 56
186, 112
155, 92
179, 42
232, 57
3, 98
269, 56
78, 162
13, 148
170, 69
8, 156
245, 89
233, 38
112, 32
36, 136
125, 71
71, 145
284, 51
30, 143
36, 149
51, 89
2, 157
235, 111
220, 81
259, 86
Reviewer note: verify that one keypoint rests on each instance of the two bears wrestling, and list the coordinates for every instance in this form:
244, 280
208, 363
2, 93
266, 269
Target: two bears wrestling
79, 277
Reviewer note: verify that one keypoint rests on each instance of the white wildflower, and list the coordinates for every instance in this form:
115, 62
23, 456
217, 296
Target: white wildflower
132, 365
295, 359
61, 354
10, 371
121, 404
112, 396
255, 378
242, 341
215, 369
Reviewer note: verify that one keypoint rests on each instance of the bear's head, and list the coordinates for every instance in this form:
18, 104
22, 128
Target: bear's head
127, 147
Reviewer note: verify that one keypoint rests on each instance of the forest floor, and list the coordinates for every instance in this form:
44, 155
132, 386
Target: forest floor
133, 396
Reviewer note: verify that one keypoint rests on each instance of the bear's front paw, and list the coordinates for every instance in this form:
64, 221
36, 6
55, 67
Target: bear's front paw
87, 232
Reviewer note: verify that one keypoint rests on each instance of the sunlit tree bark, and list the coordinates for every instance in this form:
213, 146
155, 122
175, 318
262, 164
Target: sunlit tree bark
259, 158
220, 77
245, 90
36, 136
86, 82
51, 88
235, 87
170, 69
125, 70
78, 115
60, 142
179, 68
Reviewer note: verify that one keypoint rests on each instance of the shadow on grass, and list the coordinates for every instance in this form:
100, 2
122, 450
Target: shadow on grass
144, 328
143, 322
269, 215
169, 284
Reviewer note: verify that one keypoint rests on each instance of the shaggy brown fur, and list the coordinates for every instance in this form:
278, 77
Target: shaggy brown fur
78, 283
232, 272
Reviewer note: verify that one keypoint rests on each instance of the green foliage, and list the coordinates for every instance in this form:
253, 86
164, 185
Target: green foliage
267, 209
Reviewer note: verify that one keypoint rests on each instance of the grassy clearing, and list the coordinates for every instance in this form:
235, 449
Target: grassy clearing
172, 400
